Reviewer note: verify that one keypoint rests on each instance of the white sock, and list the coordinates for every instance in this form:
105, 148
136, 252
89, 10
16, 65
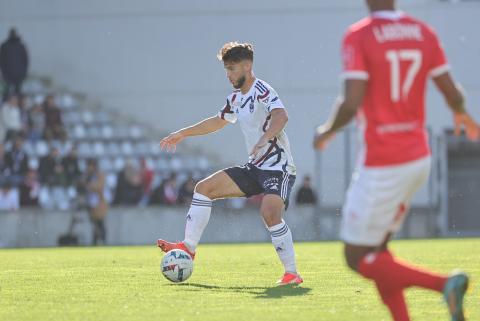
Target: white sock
197, 219
283, 244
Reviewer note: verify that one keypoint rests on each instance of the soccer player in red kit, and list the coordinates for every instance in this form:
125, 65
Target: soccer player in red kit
388, 58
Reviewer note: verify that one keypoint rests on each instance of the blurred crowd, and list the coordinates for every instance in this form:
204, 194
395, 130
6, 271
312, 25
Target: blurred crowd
59, 182
21, 119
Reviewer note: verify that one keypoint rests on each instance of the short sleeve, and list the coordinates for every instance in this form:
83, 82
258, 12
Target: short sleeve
439, 63
353, 57
227, 113
268, 96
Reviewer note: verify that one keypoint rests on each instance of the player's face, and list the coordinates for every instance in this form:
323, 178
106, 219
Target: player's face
237, 72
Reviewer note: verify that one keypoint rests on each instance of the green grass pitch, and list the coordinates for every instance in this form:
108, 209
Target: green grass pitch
229, 282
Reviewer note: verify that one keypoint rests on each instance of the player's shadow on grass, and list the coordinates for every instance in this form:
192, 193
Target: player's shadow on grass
259, 291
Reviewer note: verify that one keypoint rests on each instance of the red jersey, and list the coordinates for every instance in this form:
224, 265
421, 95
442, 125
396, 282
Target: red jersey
396, 54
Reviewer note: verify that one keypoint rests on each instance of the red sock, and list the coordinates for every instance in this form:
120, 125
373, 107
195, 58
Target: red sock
395, 301
394, 274
391, 276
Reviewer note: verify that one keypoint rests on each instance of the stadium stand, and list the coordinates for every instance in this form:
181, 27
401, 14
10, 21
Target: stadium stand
94, 133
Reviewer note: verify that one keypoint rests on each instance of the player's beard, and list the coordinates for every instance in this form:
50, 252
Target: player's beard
239, 83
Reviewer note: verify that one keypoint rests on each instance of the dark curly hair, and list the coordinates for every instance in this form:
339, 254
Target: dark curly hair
235, 52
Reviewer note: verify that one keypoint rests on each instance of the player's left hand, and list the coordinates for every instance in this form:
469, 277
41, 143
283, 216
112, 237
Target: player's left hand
262, 142
170, 142
322, 138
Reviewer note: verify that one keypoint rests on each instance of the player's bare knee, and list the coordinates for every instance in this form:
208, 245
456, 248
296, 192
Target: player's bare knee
272, 215
203, 187
353, 256
352, 261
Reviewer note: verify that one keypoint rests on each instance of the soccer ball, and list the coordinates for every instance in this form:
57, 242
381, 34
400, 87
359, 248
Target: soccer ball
176, 266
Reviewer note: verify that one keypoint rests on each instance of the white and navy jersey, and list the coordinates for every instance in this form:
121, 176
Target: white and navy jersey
252, 110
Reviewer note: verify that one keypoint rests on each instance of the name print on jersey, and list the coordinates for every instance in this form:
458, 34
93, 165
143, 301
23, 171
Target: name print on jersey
398, 31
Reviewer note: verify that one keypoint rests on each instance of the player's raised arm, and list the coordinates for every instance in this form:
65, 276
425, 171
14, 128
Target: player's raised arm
206, 126
343, 111
454, 97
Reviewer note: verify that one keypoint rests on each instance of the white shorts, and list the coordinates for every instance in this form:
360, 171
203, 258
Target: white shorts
378, 199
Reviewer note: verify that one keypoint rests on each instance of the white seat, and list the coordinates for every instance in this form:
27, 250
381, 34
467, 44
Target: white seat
72, 117
39, 99
66, 147
65, 101
33, 163
111, 181
203, 163
162, 165
102, 117
66, 117
141, 148
126, 148
135, 132
84, 149
120, 132
79, 132
155, 149
119, 163
150, 162
93, 132
41, 148
176, 163
107, 132
87, 117
98, 149
82, 165
29, 148
113, 149
106, 164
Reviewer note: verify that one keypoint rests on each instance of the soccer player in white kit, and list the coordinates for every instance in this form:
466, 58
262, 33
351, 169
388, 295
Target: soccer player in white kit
270, 170
388, 58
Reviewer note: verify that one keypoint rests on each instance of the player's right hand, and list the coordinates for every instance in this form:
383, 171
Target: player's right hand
463, 120
170, 142
322, 138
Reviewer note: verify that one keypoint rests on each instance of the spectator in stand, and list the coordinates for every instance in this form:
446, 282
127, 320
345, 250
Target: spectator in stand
51, 169
71, 167
36, 123
11, 117
3, 164
146, 174
4, 177
13, 63
166, 193
129, 186
305, 194
53, 180
8, 197
23, 105
53, 120
185, 193
30, 189
16, 163
96, 203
